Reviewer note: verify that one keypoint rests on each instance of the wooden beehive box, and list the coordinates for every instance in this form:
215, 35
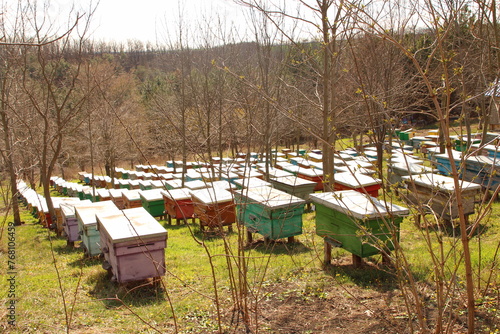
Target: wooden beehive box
132, 199
443, 162
158, 184
70, 222
314, 175
400, 169
145, 185
275, 172
174, 184
359, 223
196, 184
57, 202
124, 184
213, 207
315, 157
116, 196
294, 185
118, 172
359, 182
81, 176
482, 170
178, 203
133, 244
438, 192
134, 184
250, 183
152, 201
250, 172
103, 194
270, 212
85, 215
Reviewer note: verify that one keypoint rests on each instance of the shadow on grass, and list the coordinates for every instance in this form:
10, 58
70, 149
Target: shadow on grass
85, 261
369, 275
214, 233
116, 295
68, 249
278, 247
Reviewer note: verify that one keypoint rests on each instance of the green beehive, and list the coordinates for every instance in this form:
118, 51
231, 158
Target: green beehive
357, 222
270, 212
152, 201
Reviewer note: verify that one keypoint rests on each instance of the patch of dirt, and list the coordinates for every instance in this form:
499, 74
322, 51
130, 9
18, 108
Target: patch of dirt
331, 309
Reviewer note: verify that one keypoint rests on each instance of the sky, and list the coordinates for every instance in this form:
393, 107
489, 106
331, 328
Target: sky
149, 20
152, 21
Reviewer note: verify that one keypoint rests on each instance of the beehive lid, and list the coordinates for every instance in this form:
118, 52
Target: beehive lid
249, 172
145, 183
226, 185
488, 147
251, 182
355, 181
229, 175
293, 168
167, 176
482, 160
178, 176
175, 183
103, 192
343, 156
132, 195
115, 193
316, 156
317, 165
405, 159
293, 181
299, 160
212, 195
151, 195
68, 209
412, 168
159, 184
130, 224
87, 212
310, 172
358, 164
443, 183
455, 154
123, 182
271, 198
178, 194
196, 184
275, 172
284, 164
357, 205
58, 201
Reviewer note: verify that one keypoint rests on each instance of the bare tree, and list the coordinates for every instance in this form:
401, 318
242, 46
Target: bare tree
49, 79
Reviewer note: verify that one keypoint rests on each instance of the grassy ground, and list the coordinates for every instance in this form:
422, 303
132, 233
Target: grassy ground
57, 285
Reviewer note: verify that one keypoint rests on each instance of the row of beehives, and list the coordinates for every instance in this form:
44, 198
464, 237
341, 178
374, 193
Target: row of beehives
430, 142
277, 213
434, 188
132, 241
261, 208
